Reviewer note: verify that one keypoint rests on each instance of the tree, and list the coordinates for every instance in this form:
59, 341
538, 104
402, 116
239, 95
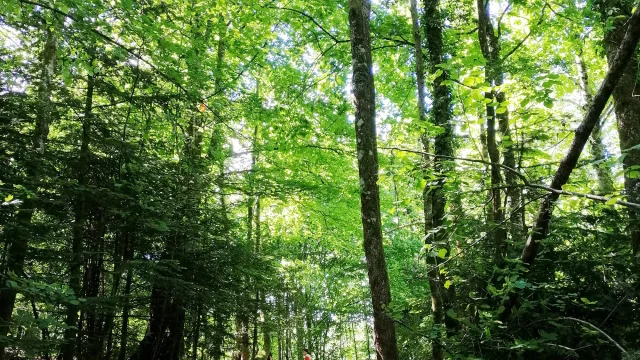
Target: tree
441, 112
212, 174
616, 70
19, 232
367, 152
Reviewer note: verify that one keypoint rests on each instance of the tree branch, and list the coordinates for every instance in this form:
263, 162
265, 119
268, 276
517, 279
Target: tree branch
330, 35
523, 178
500, 18
582, 134
598, 329
515, 48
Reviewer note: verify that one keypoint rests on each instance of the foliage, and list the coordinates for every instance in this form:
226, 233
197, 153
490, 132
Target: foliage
213, 170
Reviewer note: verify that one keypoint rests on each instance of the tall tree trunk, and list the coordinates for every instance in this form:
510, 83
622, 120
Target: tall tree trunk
299, 324
422, 115
244, 314
254, 344
597, 147
365, 121
45, 331
80, 208
434, 231
196, 333
121, 243
626, 97
126, 306
215, 153
355, 344
484, 151
266, 337
93, 272
217, 341
494, 73
18, 234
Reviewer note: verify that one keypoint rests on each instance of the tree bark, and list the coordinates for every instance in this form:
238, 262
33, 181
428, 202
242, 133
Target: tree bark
441, 114
93, 273
121, 243
626, 97
490, 47
126, 307
367, 153
218, 336
80, 208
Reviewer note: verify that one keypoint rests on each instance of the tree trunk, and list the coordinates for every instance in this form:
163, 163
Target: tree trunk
266, 338
626, 99
364, 92
355, 344
217, 340
494, 73
299, 324
196, 333
124, 330
93, 274
121, 243
242, 337
18, 233
80, 208
435, 230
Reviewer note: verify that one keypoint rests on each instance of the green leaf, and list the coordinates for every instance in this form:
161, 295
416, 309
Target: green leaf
442, 253
447, 284
492, 289
452, 314
612, 201
547, 84
548, 103
587, 301
520, 284
548, 336
8, 198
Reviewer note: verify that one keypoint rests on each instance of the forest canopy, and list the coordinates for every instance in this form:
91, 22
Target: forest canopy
357, 179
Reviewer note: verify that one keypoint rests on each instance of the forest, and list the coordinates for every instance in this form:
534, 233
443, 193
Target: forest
355, 179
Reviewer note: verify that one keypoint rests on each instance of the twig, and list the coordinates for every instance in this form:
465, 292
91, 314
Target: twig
401, 41
598, 329
515, 48
614, 309
500, 18
522, 177
336, 40
486, 235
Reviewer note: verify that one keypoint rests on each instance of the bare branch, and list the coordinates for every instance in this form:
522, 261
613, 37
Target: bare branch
515, 48
500, 18
523, 178
330, 35
598, 329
